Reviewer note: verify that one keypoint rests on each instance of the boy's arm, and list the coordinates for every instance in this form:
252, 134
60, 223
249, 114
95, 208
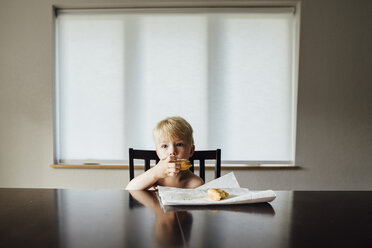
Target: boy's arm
144, 181
163, 169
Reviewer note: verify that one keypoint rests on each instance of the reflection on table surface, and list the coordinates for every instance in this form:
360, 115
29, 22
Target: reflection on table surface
168, 217
167, 224
117, 218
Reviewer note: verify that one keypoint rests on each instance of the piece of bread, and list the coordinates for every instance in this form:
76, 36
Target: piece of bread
217, 194
184, 163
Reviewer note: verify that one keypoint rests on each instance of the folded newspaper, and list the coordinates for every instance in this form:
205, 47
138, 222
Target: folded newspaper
199, 196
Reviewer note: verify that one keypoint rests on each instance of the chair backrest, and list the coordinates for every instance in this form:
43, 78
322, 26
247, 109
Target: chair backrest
146, 155
201, 156
207, 155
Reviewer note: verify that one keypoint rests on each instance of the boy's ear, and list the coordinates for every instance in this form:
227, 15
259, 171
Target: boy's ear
192, 151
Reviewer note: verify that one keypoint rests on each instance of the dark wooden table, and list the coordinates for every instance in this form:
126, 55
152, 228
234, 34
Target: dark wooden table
117, 218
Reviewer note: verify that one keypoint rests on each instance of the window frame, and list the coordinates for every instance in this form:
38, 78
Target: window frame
295, 5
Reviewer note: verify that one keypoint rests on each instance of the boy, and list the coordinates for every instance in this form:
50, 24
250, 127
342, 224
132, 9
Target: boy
174, 141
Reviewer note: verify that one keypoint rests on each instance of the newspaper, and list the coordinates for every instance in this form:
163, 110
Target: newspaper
177, 196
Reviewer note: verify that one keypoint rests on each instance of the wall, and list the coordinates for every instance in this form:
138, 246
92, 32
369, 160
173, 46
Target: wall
334, 136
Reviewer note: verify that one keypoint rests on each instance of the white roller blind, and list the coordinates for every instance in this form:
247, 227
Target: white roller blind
229, 72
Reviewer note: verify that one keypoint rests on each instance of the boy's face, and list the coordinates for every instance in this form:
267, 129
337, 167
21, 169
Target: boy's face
166, 147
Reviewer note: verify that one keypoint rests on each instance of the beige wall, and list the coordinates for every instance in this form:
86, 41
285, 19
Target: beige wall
334, 134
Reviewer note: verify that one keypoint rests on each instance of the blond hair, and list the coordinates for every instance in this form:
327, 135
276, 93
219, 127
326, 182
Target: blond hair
174, 128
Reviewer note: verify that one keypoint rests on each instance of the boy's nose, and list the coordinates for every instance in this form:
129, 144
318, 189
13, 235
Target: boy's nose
172, 150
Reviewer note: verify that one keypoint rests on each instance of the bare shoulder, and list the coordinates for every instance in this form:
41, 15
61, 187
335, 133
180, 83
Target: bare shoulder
193, 181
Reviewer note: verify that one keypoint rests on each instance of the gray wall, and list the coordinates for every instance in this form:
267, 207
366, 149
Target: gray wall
334, 137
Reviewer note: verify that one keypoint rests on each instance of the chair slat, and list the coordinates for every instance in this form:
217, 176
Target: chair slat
217, 168
147, 164
131, 164
202, 169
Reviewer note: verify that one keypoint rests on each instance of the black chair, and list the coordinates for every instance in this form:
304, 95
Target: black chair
149, 155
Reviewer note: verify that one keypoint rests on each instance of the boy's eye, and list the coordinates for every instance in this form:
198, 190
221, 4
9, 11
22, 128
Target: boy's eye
164, 146
179, 144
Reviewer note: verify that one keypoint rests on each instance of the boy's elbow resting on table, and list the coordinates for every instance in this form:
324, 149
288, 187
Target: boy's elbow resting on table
142, 182
133, 186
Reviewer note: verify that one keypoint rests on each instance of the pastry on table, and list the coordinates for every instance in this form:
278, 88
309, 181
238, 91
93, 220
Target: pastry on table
217, 194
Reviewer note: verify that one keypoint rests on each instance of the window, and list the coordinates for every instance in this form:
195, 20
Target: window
230, 72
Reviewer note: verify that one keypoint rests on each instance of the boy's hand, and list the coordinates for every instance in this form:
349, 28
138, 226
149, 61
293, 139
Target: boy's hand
168, 167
